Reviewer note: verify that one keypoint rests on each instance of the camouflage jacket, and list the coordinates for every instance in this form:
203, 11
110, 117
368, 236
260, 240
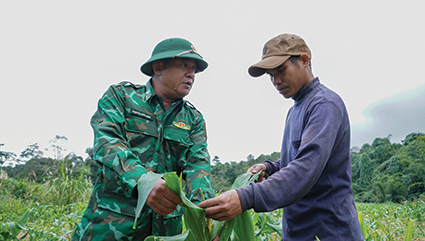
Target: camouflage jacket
134, 135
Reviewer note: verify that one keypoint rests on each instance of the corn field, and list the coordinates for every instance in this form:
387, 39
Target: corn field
51, 211
392, 221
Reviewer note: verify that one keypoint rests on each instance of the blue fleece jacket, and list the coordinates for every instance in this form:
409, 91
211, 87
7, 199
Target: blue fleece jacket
312, 179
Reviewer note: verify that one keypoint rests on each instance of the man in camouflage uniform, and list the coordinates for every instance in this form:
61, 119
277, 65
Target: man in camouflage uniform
142, 128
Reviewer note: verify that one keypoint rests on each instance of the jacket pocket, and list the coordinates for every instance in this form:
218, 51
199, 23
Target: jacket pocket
180, 137
177, 144
140, 125
118, 203
141, 134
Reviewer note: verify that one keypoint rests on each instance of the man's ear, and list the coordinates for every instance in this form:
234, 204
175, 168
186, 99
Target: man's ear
305, 60
157, 67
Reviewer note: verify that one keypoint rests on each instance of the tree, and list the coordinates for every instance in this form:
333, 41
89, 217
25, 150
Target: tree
411, 137
219, 180
6, 156
216, 160
58, 144
90, 152
381, 150
389, 172
32, 151
35, 169
355, 149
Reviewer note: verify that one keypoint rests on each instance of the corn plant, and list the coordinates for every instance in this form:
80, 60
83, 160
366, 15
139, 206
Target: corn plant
197, 226
29, 211
392, 221
267, 226
12, 230
37, 212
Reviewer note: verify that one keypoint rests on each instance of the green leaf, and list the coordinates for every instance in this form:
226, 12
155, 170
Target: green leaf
266, 227
17, 227
179, 237
194, 216
24, 218
408, 236
173, 182
363, 226
269, 228
222, 228
144, 186
243, 227
245, 179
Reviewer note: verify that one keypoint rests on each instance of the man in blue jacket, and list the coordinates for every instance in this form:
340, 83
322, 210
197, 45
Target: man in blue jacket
312, 179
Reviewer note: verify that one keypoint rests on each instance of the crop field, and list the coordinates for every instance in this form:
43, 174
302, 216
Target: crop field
392, 221
30, 211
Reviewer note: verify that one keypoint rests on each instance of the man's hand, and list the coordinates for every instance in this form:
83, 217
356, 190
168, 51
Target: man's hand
224, 207
162, 199
258, 168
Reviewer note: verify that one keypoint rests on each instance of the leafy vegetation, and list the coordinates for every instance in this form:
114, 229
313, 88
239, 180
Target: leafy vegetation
43, 198
385, 172
37, 212
391, 221
197, 226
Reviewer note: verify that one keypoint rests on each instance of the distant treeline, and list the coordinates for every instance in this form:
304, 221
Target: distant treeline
385, 172
381, 171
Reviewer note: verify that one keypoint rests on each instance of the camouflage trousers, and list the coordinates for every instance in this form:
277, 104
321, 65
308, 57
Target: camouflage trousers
102, 224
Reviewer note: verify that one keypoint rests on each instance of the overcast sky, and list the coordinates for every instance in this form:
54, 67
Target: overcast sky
57, 58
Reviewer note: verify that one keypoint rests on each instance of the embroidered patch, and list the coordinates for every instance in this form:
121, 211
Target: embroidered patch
141, 114
181, 125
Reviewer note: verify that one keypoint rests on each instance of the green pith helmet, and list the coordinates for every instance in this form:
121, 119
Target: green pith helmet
174, 48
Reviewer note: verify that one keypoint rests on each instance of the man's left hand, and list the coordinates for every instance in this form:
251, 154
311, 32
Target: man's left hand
224, 207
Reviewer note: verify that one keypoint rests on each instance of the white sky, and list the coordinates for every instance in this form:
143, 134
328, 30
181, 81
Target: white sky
57, 58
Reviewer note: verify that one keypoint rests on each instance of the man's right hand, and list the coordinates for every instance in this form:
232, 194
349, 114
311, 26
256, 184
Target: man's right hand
258, 168
162, 199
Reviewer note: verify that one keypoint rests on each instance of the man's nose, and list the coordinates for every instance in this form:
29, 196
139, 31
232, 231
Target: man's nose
190, 73
276, 81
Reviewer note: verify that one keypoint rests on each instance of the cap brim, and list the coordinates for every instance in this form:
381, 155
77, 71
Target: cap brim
260, 68
201, 64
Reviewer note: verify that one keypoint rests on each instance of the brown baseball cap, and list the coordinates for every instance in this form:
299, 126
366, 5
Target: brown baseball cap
277, 50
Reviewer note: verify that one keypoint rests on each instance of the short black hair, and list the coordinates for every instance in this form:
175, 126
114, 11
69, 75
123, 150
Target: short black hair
294, 60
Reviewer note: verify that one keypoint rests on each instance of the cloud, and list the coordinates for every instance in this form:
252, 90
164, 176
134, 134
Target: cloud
397, 115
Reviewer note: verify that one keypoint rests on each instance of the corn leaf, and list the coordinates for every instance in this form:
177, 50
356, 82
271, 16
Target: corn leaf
266, 227
179, 237
363, 226
173, 182
408, 236
222, 228
194, 216
245, 179
239, 228
269, 228
243, 228
144, 186
242, 225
